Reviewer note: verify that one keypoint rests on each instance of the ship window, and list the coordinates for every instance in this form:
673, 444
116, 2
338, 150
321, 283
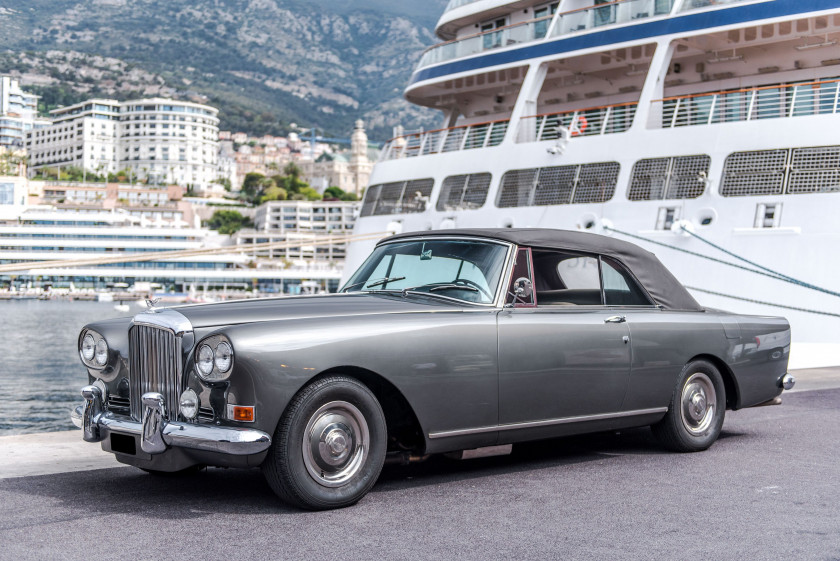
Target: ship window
555, 186
681, 177
753, 173
542, 13
596, 182
516, 188
397, 197
814, 170
461, 192
493, 40
558, 185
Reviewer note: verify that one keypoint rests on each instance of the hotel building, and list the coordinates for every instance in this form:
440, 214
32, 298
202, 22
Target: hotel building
159, 140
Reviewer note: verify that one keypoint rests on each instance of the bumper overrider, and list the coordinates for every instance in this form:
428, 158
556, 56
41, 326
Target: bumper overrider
157, 434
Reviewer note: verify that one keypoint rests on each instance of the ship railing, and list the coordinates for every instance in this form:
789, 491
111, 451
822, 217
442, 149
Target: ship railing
610, 13
523, 32
687, 5
463, 137
590, 121
457, 4
750, 104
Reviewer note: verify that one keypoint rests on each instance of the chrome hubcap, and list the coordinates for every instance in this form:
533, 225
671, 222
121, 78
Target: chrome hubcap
697, 405
335, 443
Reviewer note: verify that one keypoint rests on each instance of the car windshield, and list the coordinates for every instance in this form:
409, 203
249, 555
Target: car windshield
468, 270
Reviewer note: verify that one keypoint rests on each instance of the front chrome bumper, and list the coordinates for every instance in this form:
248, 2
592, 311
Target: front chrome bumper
157, 434
787, 381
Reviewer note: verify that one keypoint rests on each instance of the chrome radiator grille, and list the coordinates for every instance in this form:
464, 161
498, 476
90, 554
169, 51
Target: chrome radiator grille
155, 356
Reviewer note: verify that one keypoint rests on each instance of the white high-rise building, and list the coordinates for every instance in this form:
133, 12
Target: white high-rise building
162, 140
18, 113
169, 141
83, 135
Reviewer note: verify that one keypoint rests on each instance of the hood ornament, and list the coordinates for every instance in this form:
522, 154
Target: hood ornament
150, 305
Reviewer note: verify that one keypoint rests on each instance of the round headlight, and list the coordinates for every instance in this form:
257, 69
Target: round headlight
88, 345
189, 404
204, 362
224, 357
101, 352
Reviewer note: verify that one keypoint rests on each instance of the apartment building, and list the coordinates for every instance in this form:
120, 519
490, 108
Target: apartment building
157, 206
305, 225
84, 135
18, 113
159, 140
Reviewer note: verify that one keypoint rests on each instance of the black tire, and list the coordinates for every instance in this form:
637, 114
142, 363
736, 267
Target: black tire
691, 424
341, 415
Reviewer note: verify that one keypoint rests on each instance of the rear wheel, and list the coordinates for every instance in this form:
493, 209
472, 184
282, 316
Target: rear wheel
329, 447
695, 414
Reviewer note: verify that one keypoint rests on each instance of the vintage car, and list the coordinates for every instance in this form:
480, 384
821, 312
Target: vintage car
463, 341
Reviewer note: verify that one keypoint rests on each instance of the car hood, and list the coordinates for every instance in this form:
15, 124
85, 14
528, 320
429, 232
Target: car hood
299, 307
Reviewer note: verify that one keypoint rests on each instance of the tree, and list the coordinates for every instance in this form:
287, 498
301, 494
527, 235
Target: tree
309, 194
274, 194
224, 182
251, 183
334, 192
228, 221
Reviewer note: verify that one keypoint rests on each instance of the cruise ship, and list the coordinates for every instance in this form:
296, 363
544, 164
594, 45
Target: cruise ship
702, 130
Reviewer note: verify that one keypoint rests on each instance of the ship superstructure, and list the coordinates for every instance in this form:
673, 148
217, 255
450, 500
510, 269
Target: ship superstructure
702, 130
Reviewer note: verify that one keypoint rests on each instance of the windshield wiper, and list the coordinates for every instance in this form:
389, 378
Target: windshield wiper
386, 280
437, 287
458, 286
377, 282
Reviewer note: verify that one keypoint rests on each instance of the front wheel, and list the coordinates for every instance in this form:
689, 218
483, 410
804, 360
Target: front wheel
695, 414
329, 447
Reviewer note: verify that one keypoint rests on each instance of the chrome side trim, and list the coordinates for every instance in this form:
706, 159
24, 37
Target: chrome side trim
547, 422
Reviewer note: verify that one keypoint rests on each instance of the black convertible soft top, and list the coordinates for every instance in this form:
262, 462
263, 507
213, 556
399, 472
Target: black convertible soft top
662, 286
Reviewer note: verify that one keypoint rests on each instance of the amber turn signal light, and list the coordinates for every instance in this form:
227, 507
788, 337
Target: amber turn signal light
241, 413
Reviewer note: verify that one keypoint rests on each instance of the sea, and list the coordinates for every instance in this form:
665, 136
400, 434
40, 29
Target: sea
40, 371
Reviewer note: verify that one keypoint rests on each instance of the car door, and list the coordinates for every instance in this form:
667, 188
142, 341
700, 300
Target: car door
561, 358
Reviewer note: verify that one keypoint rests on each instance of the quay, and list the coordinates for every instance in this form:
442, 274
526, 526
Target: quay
767, 489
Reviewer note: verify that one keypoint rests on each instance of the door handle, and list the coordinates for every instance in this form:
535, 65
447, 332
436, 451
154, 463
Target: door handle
615, 319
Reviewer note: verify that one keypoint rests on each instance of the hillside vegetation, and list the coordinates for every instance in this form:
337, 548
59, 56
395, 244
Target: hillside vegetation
264, 63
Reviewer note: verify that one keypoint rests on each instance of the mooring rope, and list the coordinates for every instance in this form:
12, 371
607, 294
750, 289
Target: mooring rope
763, 302
764, 271
781, 276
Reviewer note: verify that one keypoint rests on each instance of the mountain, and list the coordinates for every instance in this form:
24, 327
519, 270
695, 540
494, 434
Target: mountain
264, 63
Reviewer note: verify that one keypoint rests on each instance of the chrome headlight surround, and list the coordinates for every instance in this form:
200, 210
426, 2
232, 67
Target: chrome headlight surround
214, 359
93, 344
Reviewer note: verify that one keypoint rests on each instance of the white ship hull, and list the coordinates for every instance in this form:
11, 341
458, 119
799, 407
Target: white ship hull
799, 238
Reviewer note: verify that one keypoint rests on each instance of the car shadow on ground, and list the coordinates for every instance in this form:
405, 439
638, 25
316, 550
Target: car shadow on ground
230, 491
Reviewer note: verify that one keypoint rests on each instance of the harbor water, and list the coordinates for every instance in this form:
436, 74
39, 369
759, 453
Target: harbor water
40, 370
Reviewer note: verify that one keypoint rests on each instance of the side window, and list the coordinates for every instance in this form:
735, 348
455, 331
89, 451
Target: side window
580, 273
568, 279
620, 289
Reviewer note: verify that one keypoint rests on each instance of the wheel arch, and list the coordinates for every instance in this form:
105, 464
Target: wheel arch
404, 430
730, 384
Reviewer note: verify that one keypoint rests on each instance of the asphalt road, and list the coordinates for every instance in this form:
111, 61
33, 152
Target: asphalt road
768, 489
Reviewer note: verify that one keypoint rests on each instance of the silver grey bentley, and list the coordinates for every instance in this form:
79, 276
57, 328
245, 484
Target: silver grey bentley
455, 341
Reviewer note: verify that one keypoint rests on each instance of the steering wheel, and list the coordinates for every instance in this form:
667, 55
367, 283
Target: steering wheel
473, 284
